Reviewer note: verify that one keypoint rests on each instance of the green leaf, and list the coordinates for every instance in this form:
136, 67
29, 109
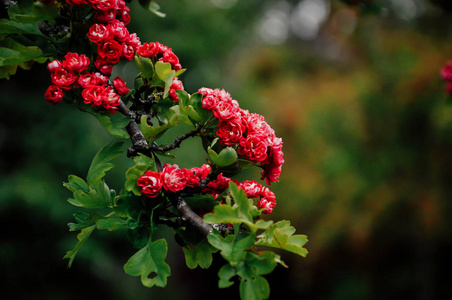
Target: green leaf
225, 274
280, 235
226, 157
254, 288
13, 27
96, 196
240, 212
165, 73
196, 102
180, 72
145, 66
199, 254
111, 224
152, 133
149, 263
83, 220
82, 238
142, 164
185, 107
114, 123
100, 164
233, 247
155, 9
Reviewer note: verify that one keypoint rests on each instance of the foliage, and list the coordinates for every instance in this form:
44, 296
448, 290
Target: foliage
83, 41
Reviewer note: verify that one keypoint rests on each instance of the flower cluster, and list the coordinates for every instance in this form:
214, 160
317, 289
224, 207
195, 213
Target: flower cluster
73, 72
167, 55
171, 179
255, 139
113, 42
446, 73
106, 10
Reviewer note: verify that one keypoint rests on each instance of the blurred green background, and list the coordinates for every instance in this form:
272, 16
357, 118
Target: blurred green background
356, 95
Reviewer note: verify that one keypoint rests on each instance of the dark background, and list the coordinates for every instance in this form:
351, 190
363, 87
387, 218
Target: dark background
356, 96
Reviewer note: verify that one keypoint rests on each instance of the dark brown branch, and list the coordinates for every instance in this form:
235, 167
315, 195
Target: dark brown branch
140, 145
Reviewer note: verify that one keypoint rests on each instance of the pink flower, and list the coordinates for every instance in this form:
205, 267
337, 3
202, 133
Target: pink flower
209, 102
103, 65
129, 46
177, 85
120, 86
75, 62
63, 78
150, 184
174, 179
103, 5
54, 94
205, 91
225, 111
254, 148
170, 57
99, 33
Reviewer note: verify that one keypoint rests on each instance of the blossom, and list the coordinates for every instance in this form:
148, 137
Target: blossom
99, 33
174, 179
54, 94
111, 51
230, 132
150, 183
63, 78
54, 65
254, 148
94, 94
86, 79
120, 86
148, 49
75, 62
177, 85
195, 175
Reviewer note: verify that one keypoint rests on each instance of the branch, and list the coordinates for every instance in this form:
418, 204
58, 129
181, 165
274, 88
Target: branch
140, 145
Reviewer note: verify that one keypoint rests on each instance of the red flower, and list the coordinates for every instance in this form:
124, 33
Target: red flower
103, 5
54, 65
111, 101
254, 148
105, 16
170, 57
86, 79
54, 94
119, 30
75, 62
230, 132
149, 49
218, 185
150, 183
63, 78
174, 179
129, 46
76, 2
209, 102
251, 187
111, 51
177, 85
195, 175
94, 95
99, 33
103, 65
267, 205
120, 86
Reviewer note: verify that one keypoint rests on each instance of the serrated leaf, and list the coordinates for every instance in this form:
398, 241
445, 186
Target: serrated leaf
96, 196
142, 164
111, 224
166, 74
145, 66
199, 254
233, 247
149, 263
100, 164
239, 213
280, 235
114, 123
83, 220
82, 238
151, 133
